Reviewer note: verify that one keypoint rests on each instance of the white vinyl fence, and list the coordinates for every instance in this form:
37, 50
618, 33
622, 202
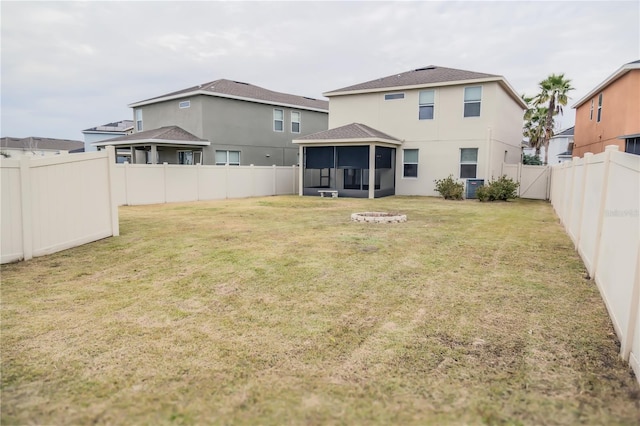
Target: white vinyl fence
534, 180
54, 203
598, 201
137, 184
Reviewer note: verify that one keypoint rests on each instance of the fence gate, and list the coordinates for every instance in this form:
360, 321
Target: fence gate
534, 180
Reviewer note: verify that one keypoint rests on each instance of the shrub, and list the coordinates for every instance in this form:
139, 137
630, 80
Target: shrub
531, 160
449, 188
502, 189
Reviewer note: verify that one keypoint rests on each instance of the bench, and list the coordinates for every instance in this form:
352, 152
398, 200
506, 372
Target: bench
333, 192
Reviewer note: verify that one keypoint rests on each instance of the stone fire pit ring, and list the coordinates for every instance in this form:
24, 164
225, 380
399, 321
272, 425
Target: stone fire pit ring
378, 217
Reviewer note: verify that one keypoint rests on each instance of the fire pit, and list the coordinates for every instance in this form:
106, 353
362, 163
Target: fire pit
378, 217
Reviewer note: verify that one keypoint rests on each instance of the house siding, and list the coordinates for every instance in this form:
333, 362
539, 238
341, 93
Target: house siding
620, 112
234, 125
498, 129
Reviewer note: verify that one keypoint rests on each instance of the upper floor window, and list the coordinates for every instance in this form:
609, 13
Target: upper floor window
392, 96
426, 102
184, 104
472, 100
295, 122
231, 158
278, 120
139, 120
410, 163
591, 111
468, 163
599, 108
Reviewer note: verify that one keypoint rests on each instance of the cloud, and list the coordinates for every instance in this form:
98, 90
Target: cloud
72, 65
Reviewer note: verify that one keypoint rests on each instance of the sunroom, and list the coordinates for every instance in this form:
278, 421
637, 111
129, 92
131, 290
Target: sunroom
351, 161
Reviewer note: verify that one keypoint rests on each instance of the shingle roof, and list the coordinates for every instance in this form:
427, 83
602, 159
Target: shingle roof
349, 131
116, 126
566, 132
168, 133
431, 74
238, 89
36, 143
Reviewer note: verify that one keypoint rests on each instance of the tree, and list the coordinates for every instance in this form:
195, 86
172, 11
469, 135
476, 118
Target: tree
534, 126
554, 94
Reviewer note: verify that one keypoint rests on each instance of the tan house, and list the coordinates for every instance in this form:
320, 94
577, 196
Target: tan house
610, 114
404, 131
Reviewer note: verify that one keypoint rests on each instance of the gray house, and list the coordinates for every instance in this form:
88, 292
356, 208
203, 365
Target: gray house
222, 122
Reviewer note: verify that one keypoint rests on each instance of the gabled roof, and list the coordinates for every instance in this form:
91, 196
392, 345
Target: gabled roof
171, 135
635, 65
350, 132
117, 127
564, 133
429, 76
36, 144
242, 91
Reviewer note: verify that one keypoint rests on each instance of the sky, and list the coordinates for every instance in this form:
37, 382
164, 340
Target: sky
70, 66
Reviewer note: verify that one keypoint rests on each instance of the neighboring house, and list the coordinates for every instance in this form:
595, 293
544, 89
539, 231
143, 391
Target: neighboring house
241, 123
610, 114
34, 146
106, 131
413, 127
560, 147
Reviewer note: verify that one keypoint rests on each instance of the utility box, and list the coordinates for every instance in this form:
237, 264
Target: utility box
472, 187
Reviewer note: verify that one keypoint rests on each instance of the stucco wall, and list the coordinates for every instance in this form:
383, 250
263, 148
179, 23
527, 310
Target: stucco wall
620, 112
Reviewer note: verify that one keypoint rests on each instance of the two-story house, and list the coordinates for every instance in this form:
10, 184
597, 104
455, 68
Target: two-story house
610, 113
221, 122
404, 131
106, 131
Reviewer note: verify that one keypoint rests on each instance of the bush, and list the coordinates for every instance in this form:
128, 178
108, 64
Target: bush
449, 188
502, 189
531, 160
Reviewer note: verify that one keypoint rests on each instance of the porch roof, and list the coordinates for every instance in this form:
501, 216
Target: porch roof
350, 133
167, 136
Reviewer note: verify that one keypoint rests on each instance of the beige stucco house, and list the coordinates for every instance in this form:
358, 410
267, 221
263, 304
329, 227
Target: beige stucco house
416, 127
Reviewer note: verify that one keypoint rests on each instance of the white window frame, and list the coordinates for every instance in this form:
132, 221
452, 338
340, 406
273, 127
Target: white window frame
599, 115
432, 105
275, 120
139, 126
184, 104
404, 162
227, 162
394, 96
299, 121
591, 111
467, 163
465, 102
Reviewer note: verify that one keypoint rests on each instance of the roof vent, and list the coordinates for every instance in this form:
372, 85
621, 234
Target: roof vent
311, 99
241, 82
430, 67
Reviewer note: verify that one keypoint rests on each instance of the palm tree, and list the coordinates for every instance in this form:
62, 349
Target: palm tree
534, 127
554, 93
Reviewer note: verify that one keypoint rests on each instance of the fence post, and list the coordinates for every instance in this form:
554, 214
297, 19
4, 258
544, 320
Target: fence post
627, 340
226, 180
601, 210
586, 159
165, 165
275, 180
111, 165
126, 183
27, 214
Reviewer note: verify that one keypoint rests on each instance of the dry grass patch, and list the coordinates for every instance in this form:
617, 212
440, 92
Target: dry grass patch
281, 310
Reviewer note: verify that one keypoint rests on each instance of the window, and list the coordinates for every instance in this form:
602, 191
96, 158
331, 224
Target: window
599, 108
392, 96
426, 105
278, 120
632, 146
591, 111
295, 122
410, 163
468, 163
139, 120
185, 157
184, 104
231, 158
472, 100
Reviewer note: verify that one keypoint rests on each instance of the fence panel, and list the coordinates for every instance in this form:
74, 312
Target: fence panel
533, 180
597, 198
56, 203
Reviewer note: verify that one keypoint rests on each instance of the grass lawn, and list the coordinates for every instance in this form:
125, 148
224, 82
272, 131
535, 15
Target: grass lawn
280, 310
